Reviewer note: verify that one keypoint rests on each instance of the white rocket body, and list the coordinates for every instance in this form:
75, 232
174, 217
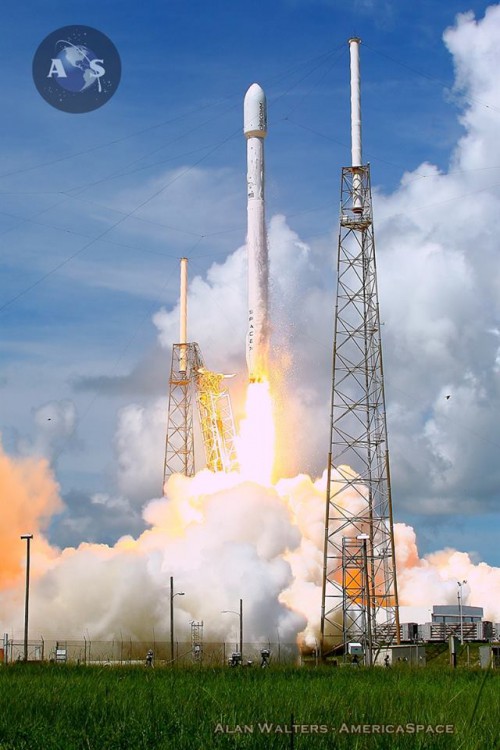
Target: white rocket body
255, 130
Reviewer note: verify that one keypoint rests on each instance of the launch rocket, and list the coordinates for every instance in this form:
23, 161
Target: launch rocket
255, 130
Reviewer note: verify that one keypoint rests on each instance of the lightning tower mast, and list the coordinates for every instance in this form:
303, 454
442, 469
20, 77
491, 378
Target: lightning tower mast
359, 597
189, 379
186, 361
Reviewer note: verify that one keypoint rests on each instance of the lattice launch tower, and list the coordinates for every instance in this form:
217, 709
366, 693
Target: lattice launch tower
359, 597
190, 381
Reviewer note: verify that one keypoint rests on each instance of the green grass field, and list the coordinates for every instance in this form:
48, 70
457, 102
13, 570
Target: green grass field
49, 707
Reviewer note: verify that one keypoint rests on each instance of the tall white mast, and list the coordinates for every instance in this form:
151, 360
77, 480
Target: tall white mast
356, 153
183, 315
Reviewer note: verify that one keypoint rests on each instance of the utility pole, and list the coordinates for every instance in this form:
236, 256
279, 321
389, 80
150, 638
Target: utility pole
241, 629
460, 609
28, 538
179, 593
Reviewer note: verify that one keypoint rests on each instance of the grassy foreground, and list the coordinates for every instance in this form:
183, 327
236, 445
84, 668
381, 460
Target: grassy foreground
49, 707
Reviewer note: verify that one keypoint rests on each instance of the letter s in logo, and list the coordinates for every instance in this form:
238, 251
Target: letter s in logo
97, 71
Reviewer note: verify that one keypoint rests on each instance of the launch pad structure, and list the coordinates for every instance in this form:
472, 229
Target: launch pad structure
189, 381
359, 593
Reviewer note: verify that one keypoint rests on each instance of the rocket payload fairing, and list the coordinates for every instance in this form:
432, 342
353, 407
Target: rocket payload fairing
255, 130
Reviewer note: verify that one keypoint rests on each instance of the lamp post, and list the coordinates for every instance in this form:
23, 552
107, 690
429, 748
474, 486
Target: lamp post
178, 593
240, 615
460, 609
28, 538
363, 538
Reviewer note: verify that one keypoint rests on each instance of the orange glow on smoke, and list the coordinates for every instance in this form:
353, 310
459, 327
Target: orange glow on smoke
256, 441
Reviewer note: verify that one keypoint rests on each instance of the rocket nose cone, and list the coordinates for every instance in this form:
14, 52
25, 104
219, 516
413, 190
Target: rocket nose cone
255, 112
255, 90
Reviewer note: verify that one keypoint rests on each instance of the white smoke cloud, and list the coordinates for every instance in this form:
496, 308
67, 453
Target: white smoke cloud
140, 449
433, 579
221, 539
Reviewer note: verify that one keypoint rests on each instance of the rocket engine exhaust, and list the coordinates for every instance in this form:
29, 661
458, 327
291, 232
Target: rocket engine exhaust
255, 130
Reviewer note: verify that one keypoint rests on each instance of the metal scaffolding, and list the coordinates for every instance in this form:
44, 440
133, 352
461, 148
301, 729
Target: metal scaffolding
358, 499
189, 378
179, 447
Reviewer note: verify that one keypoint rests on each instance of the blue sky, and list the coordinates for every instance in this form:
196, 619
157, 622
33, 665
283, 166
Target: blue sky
96, 209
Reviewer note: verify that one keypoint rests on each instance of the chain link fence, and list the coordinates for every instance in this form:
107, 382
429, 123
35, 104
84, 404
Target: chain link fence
128, 652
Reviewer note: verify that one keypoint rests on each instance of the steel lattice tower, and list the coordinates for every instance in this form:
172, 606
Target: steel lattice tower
190, 380
359, 597
179, 447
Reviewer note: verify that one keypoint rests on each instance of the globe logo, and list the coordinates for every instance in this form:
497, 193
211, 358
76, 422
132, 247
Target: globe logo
76, 69
80, 67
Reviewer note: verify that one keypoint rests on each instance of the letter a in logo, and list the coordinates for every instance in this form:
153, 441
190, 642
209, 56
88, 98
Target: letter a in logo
58, 68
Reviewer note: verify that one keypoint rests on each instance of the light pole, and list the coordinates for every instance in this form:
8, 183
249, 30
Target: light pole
240, 615
28, 538
179, 593
363, 538
460, 609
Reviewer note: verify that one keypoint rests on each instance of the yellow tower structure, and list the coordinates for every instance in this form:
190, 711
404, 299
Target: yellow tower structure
216, 421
